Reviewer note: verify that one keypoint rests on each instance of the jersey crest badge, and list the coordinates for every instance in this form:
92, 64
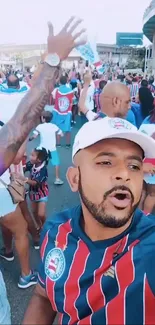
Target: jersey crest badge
55, 264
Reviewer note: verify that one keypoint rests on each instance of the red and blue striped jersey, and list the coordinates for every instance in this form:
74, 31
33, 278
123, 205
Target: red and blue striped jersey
102, 282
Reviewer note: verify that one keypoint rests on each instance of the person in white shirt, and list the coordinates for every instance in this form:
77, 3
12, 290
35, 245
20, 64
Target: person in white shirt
47, 132
89, 103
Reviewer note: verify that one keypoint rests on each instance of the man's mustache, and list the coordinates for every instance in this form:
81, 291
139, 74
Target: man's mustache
117, 188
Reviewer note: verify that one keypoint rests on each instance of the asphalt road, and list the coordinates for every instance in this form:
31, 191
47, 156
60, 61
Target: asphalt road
60, 198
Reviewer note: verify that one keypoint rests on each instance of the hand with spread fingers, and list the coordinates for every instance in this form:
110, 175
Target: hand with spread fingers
63, 43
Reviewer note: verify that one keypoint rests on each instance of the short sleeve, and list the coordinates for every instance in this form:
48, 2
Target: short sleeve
55, 128
41, 176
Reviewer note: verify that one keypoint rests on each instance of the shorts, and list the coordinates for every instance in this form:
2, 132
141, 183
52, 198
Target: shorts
63, 122
55, 161
6, 206
5, 315
42, 199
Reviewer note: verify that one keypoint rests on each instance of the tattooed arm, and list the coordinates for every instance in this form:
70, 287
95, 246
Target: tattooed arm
26, 117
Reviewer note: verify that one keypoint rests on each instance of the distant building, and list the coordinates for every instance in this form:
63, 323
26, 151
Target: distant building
149, 32
29, 55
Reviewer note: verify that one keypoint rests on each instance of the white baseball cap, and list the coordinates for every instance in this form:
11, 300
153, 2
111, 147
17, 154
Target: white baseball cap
108, 128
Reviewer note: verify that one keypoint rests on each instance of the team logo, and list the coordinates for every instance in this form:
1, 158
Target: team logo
117, 123
55, 264
63, 104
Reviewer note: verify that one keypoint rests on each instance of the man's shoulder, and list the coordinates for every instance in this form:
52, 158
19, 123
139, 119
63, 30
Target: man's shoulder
146, 229
64, 90
62, 218
51, 126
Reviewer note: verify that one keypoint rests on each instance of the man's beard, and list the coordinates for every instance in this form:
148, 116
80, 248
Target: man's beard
98, 211
120, 115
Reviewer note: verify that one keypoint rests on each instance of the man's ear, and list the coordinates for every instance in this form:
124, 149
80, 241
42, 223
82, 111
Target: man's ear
73, 178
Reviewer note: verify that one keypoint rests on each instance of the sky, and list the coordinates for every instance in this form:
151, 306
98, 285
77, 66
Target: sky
24, 21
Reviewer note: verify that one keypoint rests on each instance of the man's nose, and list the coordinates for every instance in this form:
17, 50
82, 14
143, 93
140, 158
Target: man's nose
121, 174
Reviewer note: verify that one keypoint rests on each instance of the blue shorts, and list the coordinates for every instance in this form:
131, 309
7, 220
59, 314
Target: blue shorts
55, 161
63, 122
42, 199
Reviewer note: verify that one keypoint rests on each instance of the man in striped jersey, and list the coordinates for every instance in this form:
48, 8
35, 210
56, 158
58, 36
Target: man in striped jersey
98, 259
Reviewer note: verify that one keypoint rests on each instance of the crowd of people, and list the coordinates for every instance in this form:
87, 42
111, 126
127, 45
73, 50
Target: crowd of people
97, 259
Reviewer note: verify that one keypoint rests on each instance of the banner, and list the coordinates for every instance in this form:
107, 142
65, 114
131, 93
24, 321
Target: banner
89, 53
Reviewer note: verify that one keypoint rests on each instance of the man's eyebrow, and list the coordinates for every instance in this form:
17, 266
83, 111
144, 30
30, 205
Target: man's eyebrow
103, 153
135, 157
111, 154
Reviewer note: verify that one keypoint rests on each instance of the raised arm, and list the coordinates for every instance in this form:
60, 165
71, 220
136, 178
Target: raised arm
89, 114
26, 117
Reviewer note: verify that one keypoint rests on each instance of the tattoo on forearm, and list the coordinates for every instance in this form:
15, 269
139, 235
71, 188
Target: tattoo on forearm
27, 115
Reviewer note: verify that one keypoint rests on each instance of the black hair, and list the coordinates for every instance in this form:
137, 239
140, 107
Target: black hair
63, 80
13, 83
121, 77
47, 116
146, 100
144, 83
73, 84
43, 155
151, 80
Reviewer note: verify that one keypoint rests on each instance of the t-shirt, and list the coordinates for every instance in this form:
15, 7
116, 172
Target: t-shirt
40, 175
136, 109
147, 127
9, 101
134, 88
99, 282
93, 116
63, 100
47, 133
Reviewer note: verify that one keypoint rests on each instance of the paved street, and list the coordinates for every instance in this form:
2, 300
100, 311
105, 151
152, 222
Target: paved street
60, 198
